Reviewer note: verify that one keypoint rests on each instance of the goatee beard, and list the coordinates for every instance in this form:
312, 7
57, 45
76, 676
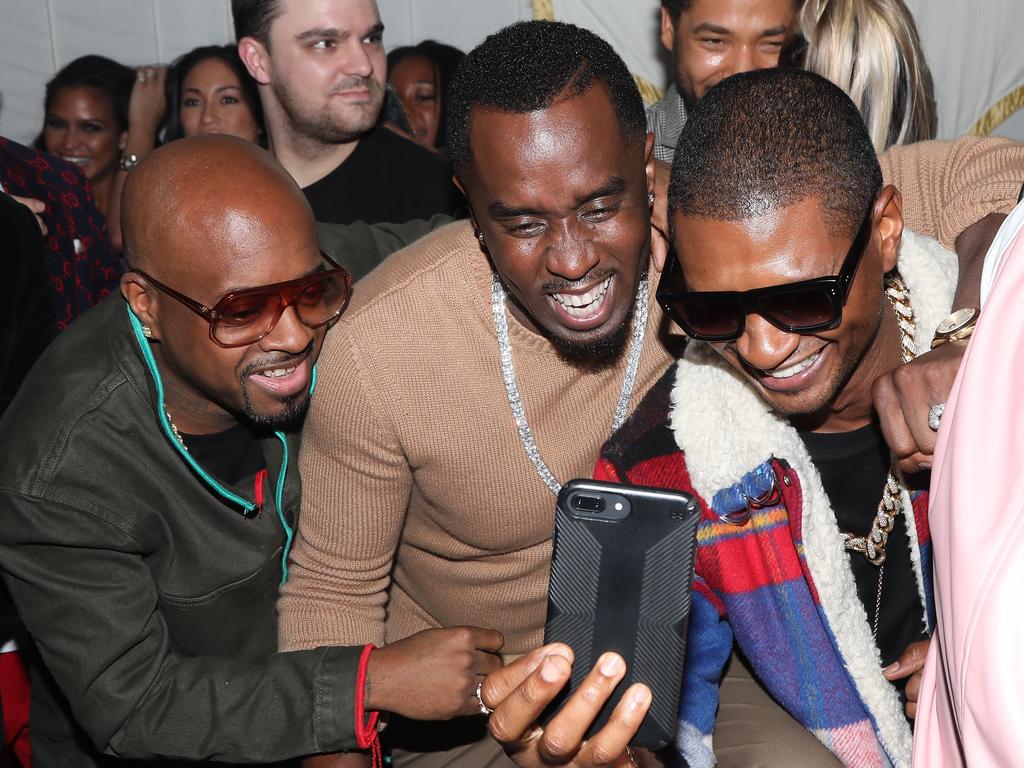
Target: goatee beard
290, 419
604, 352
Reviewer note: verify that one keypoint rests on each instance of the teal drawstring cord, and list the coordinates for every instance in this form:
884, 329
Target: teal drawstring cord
249, 507
165, 423
289, 534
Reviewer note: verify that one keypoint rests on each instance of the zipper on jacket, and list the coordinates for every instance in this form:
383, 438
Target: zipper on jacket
248, 509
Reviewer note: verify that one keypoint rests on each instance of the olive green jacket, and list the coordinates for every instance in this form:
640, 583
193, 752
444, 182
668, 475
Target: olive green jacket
149, 587
360, 247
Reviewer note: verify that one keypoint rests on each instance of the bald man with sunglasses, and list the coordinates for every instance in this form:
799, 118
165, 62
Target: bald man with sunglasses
150, 492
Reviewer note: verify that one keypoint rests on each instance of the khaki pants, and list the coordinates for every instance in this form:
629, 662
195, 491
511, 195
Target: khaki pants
752, 731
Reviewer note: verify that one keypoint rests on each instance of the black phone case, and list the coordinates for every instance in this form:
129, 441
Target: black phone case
623, 584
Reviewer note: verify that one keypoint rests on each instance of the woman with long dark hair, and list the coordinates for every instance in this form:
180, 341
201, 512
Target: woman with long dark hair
210, 91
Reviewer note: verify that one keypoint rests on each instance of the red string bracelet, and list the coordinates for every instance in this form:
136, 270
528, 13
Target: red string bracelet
367, 736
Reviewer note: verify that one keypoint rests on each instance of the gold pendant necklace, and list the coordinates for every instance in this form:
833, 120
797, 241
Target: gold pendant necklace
873, 545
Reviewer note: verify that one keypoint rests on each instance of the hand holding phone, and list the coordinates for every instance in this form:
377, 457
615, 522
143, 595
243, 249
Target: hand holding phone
521, 690
621, 575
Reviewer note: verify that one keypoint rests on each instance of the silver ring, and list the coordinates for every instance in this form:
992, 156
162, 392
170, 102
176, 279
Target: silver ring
141, 77
935, 415
650, 199
484, 709
632, 760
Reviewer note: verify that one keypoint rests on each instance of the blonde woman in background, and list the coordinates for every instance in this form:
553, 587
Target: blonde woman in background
871, 49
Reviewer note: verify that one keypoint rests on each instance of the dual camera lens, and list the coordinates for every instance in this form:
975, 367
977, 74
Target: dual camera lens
583, 503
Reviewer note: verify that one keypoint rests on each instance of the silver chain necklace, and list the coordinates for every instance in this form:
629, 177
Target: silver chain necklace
498, 298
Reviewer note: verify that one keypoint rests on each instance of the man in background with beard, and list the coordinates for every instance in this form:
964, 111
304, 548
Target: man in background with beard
321, 70
707, 41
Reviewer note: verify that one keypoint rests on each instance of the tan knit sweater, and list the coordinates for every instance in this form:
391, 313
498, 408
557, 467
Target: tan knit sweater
410, 456
420, 507
949, 185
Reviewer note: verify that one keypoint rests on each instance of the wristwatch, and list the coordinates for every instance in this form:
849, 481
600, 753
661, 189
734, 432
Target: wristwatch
129, 161
956, 327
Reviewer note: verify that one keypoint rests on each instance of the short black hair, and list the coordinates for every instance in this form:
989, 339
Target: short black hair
675, 7
763, 140
110, 78
253, 18
526, 66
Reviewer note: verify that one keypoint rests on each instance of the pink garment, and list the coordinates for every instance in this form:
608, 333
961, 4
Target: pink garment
971, 708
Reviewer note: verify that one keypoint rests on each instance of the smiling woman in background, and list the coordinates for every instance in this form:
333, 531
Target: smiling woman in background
210, 91
103, 117
87, 120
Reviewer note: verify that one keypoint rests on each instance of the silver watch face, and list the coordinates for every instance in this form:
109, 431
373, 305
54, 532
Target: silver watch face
957, 320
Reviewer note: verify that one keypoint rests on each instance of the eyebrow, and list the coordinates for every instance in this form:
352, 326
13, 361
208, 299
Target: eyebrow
333, 33
712, 28
717, 30
218, 89
616, 185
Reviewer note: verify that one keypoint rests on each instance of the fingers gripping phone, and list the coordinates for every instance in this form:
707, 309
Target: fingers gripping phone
620, 581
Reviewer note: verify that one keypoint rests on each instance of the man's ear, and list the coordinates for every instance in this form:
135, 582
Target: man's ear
140, 298
668, 30
256, 58
649, 164
888, 217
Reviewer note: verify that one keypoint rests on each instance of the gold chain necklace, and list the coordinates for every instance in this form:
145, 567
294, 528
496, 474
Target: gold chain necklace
872, 546
174, 429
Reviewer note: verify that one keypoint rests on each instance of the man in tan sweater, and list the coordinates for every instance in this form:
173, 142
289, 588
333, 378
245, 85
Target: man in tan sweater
425, 502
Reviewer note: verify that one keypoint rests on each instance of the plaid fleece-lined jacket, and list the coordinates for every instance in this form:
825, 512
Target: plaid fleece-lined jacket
771, 571
753, 586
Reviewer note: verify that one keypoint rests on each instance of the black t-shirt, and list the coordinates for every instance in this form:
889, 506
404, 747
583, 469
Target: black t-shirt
230, 456
853, 468
386, 179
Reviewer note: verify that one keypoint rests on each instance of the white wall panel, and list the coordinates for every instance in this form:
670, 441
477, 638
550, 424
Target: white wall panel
456, 22
632, 28
26, 63
397, 18
1013, 128
121, 29
182, 25
975, 55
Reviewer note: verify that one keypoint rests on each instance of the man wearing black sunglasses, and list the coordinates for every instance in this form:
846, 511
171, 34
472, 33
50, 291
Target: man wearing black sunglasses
149, 482
790, 275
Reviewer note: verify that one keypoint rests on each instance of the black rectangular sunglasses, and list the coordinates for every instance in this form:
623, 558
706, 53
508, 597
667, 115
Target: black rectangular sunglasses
802, 307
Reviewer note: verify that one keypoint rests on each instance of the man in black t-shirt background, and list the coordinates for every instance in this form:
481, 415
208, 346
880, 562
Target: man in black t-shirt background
321, 71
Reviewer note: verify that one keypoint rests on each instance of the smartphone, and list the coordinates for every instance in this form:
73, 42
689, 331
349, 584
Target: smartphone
621, 575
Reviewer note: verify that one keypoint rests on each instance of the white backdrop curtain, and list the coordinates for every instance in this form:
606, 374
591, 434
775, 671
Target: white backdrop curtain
973, 46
